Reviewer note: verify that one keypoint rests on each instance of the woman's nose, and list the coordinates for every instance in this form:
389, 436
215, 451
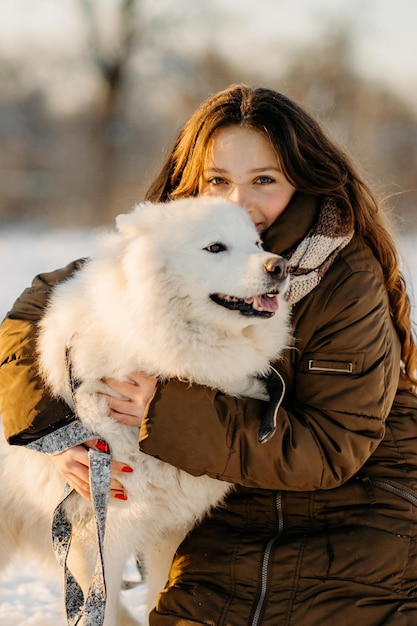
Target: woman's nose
239, 196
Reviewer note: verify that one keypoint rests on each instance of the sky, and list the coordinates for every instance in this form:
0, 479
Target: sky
385, 43
385, 30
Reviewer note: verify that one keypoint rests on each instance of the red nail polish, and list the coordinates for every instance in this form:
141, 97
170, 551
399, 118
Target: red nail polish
127, 469
102, 446
121, 496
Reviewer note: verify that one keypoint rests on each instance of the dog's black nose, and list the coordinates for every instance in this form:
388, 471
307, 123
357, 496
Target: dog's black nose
277, 266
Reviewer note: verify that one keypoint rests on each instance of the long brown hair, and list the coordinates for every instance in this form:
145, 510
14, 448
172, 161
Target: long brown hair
310, 161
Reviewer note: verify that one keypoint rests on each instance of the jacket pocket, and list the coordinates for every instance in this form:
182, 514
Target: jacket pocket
400, 491
334, 364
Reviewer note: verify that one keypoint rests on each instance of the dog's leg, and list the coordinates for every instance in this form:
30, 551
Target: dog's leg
25, 524
9, 539
82, 557
114, 563
114, 574
82, 560
158, 559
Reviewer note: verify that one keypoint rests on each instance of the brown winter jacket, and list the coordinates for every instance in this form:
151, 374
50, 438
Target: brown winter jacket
328, 506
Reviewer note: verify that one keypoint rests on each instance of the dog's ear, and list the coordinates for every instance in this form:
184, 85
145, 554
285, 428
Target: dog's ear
128, 223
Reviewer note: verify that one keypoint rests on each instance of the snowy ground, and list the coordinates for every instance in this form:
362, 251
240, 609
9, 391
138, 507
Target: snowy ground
26, 599
29, 598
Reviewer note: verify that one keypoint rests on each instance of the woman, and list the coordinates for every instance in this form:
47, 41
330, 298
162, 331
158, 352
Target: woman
322, 526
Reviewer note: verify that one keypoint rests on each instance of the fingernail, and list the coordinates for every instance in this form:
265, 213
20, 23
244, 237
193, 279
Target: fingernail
102, 446
127, 469
121, 496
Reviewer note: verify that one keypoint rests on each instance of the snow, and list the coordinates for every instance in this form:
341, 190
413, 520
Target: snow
29, 598
26, 598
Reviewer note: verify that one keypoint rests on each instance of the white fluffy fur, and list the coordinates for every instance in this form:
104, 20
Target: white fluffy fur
143, 304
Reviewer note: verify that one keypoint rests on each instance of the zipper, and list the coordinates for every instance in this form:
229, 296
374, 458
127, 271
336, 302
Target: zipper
266, 560
394, 489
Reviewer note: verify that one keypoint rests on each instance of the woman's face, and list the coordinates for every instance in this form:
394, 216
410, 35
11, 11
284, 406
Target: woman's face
242, 166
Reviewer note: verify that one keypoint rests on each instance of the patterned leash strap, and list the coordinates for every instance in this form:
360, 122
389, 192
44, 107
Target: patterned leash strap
92, 608
100, 476
61, 540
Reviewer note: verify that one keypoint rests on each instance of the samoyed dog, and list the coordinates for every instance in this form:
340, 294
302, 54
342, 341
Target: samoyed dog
179, 290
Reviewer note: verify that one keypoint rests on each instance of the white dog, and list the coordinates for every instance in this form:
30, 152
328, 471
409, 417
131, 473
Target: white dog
182, 289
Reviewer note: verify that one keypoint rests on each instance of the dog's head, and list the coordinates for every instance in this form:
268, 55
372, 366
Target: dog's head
203, 260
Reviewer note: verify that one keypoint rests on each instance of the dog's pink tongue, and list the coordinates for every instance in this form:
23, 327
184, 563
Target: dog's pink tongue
264, 303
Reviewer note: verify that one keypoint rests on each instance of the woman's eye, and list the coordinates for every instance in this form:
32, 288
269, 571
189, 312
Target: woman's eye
216, 180
264, 180
216, 247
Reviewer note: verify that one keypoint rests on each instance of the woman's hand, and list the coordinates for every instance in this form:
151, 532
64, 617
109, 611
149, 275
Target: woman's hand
127, 406
131, 397
73, 465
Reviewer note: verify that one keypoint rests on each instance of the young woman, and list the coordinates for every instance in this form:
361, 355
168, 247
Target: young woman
322, 526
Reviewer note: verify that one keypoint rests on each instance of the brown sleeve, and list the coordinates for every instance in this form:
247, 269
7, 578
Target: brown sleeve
28, 411
329, 423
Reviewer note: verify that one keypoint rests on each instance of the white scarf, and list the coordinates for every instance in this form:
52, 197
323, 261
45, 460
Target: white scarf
312, 257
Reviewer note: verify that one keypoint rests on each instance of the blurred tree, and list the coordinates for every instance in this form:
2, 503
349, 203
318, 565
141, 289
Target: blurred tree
149, 68
111, 64
107, 126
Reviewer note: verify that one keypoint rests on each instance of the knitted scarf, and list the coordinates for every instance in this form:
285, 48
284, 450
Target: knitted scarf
312, 257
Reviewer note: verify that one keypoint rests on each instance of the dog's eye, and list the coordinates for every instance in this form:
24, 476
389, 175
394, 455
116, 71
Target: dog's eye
259, 243
216, 247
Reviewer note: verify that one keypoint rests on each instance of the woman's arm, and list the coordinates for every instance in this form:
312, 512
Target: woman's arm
28, 410
329, 423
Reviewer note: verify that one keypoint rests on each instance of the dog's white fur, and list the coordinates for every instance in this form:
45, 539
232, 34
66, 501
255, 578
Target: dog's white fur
143, 303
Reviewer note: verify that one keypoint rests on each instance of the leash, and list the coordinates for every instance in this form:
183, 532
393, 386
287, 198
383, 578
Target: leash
92, 608
73, 433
